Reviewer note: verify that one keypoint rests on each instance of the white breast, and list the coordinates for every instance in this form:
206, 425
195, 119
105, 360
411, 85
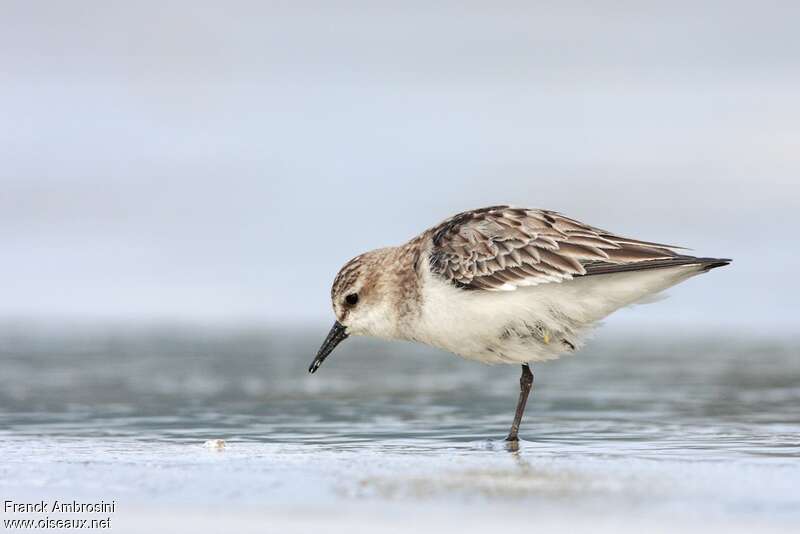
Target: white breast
530, 324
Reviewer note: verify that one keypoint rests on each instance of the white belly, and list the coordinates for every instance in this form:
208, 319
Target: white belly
530, 324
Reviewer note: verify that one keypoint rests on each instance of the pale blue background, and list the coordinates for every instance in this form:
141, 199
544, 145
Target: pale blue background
217, 162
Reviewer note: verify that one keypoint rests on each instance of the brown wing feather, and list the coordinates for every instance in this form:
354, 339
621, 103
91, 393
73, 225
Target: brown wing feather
501, 248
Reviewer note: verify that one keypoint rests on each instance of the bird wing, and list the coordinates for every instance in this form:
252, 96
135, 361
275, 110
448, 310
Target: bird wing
502, 248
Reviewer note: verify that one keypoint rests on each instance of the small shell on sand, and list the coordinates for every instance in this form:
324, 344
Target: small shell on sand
216, 444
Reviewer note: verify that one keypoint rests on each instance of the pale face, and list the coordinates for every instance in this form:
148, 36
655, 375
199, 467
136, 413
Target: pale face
362, 309
361, 305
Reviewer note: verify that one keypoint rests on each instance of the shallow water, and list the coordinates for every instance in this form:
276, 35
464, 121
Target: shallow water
634, 430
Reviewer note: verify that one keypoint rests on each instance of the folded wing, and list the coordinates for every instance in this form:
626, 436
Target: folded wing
501, 248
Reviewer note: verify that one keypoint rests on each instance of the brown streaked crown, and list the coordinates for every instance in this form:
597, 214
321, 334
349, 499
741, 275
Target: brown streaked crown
346, 277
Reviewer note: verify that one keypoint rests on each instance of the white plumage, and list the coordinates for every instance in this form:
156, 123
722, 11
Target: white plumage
530, 324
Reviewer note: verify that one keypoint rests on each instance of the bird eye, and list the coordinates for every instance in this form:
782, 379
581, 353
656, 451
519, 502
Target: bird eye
351, 299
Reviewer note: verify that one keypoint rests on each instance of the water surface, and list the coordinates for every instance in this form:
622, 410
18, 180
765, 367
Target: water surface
633, 430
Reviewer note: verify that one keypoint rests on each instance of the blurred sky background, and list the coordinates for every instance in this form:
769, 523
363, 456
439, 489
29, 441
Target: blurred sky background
217, 162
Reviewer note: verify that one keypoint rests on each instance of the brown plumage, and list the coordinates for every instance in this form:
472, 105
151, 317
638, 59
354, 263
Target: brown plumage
501, 247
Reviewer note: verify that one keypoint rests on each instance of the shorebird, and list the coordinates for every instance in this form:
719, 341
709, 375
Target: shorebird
501, 285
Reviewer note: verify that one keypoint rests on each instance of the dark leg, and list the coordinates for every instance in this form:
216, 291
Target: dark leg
525, 384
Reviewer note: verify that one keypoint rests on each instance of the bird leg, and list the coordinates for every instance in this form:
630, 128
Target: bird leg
525, 384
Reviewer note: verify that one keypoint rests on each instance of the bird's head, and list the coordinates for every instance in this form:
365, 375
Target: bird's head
361, 303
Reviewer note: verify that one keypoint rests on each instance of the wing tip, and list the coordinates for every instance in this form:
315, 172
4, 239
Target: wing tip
705, 265
713, 263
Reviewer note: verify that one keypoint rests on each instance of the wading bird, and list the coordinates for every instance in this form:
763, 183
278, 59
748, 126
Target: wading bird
501, 285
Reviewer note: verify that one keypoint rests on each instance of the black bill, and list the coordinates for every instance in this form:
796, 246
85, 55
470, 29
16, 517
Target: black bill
337, 334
